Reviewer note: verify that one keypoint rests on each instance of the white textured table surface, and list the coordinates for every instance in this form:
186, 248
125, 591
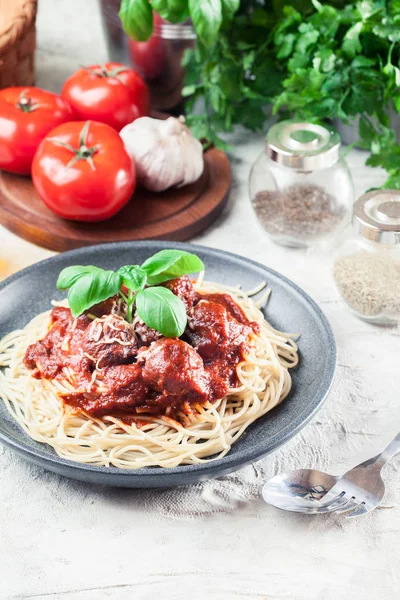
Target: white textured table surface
67, 540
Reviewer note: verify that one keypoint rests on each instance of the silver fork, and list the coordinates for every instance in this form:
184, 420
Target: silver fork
310, 491
361, 489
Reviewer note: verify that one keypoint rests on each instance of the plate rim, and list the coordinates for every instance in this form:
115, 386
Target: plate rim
229, 461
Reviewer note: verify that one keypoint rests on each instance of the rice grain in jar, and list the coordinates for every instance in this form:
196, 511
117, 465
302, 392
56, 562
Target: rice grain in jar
300, 187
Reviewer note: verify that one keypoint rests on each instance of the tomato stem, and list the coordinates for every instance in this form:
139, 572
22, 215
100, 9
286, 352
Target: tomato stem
62, 144
102, 71
25, 103
84, 152
83, 134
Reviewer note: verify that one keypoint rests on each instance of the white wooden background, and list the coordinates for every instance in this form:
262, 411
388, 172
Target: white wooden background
67, 540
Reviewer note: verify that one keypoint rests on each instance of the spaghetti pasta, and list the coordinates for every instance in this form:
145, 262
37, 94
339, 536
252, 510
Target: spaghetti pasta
207, 433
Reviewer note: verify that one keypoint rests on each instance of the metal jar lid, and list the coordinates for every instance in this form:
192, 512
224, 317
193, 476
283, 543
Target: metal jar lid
302, 146
175, 31
376, 216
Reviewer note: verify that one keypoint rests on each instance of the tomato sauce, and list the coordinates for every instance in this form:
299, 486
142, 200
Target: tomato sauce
127, 370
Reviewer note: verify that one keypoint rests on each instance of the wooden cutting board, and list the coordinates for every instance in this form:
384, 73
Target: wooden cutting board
176, 214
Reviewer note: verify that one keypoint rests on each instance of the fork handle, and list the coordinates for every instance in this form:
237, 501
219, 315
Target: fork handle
381, 459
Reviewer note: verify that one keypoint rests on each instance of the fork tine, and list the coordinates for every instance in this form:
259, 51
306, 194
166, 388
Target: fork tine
341, 502
357, 512
351, 504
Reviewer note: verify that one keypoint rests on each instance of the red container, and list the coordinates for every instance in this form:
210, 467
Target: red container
158, 60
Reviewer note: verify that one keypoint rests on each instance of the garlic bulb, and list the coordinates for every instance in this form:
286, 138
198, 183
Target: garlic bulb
165, 152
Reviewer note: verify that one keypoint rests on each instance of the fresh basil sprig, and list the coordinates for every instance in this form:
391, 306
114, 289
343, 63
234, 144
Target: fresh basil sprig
207, 16
158, 307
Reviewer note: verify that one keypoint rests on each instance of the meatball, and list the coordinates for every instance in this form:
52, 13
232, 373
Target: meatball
175, 369
125, 385
44, 355
61, 315
228, 302
146, 334
183, 288
109, 341
41, 360
212, 329
125, 391
106, 307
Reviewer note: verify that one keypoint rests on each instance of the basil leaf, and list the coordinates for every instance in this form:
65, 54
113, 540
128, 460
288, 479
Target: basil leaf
70, 275
137, 19
207, 18
229, 8
134, 278
168, 264
161, 310
174, 11
93, 288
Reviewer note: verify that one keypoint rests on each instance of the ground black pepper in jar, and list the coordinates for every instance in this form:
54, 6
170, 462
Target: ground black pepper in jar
300, 188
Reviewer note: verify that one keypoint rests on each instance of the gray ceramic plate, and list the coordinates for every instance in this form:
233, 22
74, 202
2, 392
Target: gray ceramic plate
29, 292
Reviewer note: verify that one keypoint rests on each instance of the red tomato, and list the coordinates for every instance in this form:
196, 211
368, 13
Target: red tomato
27, 114
112, 93
149, 58
83, 172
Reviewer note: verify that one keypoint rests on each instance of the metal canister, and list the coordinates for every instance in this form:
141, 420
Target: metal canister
157, 60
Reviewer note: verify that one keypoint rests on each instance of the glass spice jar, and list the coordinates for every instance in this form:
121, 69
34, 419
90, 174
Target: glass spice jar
300, 187
367, 263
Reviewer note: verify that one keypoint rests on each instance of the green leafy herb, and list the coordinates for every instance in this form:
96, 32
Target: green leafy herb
168, 264
137, 18
348, 67
134, 278
229, 8
92, 288
158, 307
207, 16
305, 59
70, 275
175, 11
207, 19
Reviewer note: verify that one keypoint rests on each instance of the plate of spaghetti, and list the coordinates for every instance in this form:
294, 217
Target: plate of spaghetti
153, 364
